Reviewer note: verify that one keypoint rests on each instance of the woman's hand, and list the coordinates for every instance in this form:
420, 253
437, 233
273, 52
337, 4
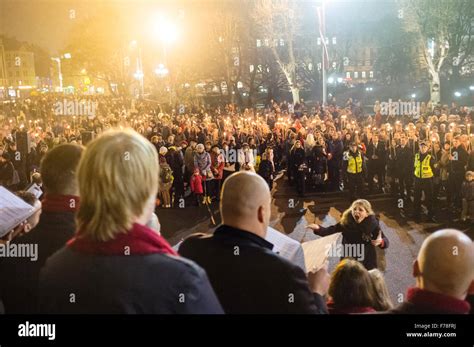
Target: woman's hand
313, 226
378, 241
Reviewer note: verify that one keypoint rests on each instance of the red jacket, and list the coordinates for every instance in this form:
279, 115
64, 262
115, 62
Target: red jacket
196, 184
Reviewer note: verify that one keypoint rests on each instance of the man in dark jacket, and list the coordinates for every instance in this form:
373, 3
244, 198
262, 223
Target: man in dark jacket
457, 168
244, 272
443, 277
403, 168
335, 149
56, 226
376, 153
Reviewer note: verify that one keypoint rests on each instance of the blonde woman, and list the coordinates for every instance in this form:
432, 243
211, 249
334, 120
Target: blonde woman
115, 263
382, 301
361, 233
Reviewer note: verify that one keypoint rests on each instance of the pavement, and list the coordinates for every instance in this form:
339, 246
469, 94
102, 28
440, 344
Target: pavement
291, 214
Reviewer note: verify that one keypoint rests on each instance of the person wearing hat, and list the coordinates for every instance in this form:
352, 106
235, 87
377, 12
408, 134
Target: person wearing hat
424, 172
354, 170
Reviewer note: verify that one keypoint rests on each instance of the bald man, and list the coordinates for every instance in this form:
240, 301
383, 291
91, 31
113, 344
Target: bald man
444, 272
244, 272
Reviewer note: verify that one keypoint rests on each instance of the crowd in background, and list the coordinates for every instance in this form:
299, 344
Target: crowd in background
200, 147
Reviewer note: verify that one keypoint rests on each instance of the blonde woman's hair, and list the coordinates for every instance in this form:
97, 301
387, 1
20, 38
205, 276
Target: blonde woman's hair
310, 142
117, 175
359, 202
381, 295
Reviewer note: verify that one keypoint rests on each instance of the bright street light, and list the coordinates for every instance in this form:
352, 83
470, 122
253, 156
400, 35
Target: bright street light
330, 80
457, 94
165, 30
413, 95
471, 87
161, 70
138, 75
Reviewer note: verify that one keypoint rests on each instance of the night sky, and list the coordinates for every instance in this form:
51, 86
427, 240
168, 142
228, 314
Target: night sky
48, 22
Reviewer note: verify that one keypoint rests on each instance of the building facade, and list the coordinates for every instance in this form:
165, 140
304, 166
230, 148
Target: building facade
20, 68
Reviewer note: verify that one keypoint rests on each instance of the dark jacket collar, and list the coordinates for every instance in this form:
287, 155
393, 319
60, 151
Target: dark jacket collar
225, 232
425, 298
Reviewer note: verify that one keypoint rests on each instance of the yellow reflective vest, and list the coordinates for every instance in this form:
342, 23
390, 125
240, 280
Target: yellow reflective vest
423, 169
354, 164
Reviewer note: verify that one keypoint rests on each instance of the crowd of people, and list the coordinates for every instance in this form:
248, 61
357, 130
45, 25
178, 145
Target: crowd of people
320, 149
98, 203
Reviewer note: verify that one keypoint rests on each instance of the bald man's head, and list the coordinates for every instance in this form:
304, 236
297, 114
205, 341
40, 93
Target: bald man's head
445, 263
245, 202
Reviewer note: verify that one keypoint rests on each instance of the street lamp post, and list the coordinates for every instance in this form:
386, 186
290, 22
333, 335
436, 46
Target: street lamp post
323, 18
322, 33
60, 74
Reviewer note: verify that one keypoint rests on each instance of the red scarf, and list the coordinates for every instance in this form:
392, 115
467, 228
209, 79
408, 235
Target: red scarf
140, 240
438, 301
348, 310
60, 203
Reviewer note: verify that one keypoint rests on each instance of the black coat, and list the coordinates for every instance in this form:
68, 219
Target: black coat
403, 161
20, 292
265, 169
248, 277
380, 151
297, 157
140, 284
458, 165
359, 234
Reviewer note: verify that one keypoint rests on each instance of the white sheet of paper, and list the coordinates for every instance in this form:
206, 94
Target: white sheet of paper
316, 252
13, 211
286, 247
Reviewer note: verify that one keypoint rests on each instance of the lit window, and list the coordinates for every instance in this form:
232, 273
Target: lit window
282, 42
356, 74
348, 74
252, 68
319, 41
259, 43
371, 74
363, 74
334, 40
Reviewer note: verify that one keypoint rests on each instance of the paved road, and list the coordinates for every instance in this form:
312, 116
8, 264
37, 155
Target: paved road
405, 235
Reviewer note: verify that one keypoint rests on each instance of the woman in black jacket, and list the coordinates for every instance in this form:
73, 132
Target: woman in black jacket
361, 233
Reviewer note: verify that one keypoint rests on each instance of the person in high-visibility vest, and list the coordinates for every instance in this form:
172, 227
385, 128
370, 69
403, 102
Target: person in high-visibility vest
424, 167
354, 170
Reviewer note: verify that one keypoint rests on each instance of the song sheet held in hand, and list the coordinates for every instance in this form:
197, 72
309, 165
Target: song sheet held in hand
13, 211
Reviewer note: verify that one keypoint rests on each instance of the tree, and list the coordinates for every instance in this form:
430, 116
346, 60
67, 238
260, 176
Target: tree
396, 60
280, 20
101, 49
431, 22
460, 38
